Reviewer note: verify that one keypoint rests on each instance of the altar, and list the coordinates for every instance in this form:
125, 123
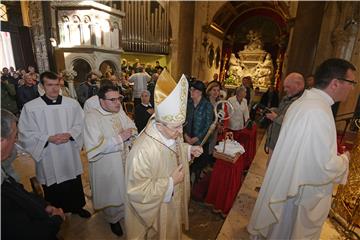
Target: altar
253, 61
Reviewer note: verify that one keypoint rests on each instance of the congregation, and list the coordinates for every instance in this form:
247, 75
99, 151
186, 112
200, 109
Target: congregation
126, 123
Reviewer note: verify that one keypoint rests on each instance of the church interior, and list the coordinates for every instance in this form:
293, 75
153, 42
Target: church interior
223, 41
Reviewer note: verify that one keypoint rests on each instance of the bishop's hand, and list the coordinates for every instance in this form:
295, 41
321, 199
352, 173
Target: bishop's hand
196, 151
178, 174
126, 134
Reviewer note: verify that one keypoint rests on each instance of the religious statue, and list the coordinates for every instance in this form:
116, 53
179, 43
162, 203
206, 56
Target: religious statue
264, 71
254, 41
254, 62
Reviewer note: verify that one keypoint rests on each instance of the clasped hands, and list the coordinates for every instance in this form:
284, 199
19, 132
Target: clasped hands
126, 134
59, 138
53, 211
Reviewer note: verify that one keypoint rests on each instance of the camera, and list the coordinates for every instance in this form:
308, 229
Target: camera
261, 111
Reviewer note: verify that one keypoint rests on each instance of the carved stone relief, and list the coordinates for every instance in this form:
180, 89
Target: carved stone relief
37, 24
253, 61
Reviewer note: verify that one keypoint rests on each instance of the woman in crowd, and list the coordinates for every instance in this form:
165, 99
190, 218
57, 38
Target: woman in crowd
241, 110
213, 93
199, 117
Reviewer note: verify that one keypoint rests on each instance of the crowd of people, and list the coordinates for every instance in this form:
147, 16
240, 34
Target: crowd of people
143, 162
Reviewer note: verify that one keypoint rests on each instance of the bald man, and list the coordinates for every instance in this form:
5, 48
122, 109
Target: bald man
294, 85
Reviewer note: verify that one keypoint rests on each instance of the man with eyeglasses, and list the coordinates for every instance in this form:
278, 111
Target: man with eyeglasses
108, 136
296, 194
51, 130
157, 168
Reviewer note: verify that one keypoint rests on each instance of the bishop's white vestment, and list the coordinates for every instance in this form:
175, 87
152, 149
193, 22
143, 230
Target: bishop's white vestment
106, 152
295, 197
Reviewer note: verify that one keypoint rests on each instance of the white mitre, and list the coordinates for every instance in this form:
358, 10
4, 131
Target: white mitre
170, 98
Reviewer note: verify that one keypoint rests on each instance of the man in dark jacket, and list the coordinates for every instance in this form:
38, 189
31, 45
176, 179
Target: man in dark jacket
294, 85
23, 215
143, 111
88, 88
27, 92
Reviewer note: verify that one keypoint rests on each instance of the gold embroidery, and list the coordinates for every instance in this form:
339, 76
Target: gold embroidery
182, 114
97, 146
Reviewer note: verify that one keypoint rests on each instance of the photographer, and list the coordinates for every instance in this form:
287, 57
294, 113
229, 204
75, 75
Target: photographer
294, 85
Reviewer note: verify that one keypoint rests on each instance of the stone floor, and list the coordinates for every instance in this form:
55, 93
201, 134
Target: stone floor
204, 224
235, 224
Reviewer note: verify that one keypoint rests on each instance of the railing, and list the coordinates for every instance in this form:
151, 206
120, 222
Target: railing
348, 118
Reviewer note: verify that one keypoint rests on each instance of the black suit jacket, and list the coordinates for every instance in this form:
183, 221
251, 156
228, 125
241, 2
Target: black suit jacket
23, 214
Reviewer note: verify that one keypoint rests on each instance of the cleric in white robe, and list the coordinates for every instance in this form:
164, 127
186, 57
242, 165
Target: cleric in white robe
107, 136
93, 102
51, 130
295, 196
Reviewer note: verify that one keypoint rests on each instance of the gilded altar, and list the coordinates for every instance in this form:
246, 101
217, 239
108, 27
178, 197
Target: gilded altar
253, 61
346, 204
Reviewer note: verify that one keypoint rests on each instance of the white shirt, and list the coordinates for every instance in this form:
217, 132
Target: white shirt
140, 81
241, 114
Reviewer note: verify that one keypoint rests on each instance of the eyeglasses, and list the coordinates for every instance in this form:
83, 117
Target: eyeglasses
347, 80
114, 99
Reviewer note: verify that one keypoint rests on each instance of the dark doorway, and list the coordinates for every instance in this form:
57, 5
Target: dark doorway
107, 68
82, 68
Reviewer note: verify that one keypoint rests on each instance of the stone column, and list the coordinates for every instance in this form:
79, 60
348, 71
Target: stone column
37, 23
345, 40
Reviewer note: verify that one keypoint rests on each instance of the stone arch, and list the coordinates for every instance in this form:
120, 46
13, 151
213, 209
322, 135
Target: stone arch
106, 33
64, 30
271, 19
108, 67
75, 30
82, 68
86, 19
115, 35
86, 30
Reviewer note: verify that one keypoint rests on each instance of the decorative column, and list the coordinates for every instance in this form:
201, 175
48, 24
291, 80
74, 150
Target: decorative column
37, 29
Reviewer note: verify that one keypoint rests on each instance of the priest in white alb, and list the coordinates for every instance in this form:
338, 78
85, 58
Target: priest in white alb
295, 197
51, 130
107, 136
157, 168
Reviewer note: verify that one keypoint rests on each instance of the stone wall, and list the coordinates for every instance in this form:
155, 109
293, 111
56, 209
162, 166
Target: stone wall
340, 37
204, 13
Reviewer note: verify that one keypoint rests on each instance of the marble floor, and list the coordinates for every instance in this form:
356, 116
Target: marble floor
204, 223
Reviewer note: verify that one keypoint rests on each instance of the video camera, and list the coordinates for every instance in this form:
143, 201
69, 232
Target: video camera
260, 110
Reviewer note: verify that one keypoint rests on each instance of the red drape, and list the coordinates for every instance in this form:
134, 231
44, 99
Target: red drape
224, 184
226, 177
